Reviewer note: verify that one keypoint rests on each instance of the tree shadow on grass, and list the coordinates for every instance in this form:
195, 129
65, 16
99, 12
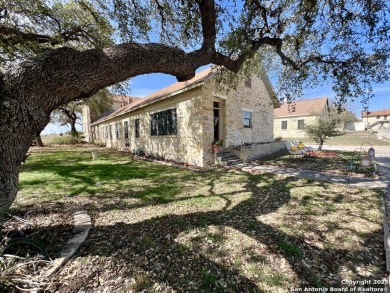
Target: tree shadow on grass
146, 254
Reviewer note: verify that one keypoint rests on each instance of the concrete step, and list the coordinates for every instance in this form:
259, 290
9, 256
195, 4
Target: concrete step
226, 158
223, 153
233, 162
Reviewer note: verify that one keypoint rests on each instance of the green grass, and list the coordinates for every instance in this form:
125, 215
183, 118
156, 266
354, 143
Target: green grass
56, 175
290, 249
165, 227
353, 138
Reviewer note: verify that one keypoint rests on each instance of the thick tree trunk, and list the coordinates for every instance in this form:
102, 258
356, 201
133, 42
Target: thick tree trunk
39, 141
320, 144
19, 125
73, 130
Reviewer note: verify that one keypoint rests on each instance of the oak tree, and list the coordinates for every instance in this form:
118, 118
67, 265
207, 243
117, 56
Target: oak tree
51, 52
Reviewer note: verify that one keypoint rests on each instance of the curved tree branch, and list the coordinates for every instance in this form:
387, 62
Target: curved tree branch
63, 75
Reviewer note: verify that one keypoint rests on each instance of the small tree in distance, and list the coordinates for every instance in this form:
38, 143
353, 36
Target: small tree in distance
321, 130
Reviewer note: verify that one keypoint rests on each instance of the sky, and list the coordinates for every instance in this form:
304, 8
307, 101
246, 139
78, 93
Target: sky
145, 84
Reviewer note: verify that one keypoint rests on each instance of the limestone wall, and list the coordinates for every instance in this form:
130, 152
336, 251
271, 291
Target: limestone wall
86, 120
292, 126
355, 126
255, 99
185, 146
255, 151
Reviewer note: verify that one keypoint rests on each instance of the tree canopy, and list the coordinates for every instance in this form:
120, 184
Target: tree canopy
307, 42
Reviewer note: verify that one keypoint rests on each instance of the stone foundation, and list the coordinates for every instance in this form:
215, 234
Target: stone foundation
252, 152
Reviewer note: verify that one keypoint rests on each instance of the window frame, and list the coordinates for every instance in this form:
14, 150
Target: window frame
137, 128
126, 129
248, 83
163, 123
247, 119
117, 130
303, 124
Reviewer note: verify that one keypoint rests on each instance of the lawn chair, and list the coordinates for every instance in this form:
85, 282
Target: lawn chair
301, 146
294, 151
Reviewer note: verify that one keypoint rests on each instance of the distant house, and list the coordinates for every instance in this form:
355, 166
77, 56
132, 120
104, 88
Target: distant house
376, 119
291, 118
180, 122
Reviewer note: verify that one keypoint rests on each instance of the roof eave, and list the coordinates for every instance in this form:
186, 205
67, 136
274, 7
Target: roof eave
142, 105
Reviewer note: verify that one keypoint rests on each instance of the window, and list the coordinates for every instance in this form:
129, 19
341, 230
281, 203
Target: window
136, 126
248, 83
117, 130
284, 125
126, 127
301, 124
247, 118
163, 123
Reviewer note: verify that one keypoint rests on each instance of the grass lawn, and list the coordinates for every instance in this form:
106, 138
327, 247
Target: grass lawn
355, 138
158, 228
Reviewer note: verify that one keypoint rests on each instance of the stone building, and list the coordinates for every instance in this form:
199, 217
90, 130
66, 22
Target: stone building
376, 119
118, 101
290, 119
180, 122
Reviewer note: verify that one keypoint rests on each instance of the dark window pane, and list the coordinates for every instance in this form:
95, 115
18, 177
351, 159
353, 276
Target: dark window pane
126, 127
117, 130
301, 124
136, 126
247, 121
248, 83
163, 123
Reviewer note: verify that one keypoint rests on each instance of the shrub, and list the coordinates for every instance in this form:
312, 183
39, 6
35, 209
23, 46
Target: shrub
65, 139
139, 151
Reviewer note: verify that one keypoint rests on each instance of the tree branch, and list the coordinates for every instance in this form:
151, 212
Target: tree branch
59, 76
27, 37
209, 31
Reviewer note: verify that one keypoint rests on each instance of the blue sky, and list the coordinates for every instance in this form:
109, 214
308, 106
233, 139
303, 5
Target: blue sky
145, 84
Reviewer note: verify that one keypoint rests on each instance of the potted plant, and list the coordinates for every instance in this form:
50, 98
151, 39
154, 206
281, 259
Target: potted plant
217, 145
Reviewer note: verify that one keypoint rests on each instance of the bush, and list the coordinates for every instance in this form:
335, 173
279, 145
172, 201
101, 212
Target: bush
65, 139
139, 151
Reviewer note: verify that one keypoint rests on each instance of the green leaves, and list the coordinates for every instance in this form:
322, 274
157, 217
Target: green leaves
305, 43
27, 28
322, 129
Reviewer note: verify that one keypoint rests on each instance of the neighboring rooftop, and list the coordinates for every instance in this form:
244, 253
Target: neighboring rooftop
124, 100
301, 108
385, 112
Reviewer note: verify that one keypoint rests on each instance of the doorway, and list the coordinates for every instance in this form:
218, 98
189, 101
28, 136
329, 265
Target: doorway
217, 120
